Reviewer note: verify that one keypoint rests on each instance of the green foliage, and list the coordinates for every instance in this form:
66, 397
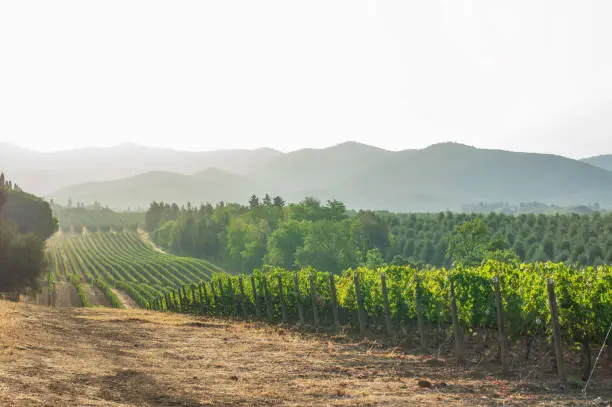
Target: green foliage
328, 237
25, 221
95, 218
584, 296
469, 243
76, 282
122, 260
30, 213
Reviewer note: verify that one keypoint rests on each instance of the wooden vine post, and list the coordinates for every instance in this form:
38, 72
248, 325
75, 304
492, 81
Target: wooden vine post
193, 294
232, 296
255, 297
281, 298
204, 304
183, 295
456, 327
243, 297
313, 297
554, 319
334, 301
215, 298
385, 293
223, 296
298, 299
360, 308
420, 317
267, 299
500, 326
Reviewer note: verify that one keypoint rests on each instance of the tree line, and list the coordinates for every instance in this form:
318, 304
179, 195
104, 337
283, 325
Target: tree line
328, 237
25, 223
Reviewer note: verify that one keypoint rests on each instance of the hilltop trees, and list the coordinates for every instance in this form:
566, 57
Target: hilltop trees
268, 231
25, 222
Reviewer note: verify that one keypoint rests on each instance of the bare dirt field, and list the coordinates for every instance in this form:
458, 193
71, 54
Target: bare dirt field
108, 357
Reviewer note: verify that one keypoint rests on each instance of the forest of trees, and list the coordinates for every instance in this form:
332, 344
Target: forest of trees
25, 223
328, 237
95, 218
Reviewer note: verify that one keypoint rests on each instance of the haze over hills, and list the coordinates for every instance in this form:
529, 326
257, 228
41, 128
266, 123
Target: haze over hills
44, 173
440, 177
601, 161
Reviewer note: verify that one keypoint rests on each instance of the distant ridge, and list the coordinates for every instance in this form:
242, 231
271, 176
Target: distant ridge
601, 161
443, 176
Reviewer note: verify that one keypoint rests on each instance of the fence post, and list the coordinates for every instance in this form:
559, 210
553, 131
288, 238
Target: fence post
500, 326
267, 299
244, 300
313, 297
255, 297
193, 295
334, 301
298, 299
419, 310
385, 293
360, 308
554, 317
203, 298
215, 298
281, 298
223, 296
456, 328
233, 297
185, 300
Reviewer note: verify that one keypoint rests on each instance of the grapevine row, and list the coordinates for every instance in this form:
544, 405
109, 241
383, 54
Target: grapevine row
400, 300
124, 261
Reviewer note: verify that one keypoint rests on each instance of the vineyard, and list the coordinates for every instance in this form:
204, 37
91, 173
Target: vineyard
496, 305
441, 306
111, 261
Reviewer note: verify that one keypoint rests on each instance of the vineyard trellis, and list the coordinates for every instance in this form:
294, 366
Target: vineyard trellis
120, 260
515, 301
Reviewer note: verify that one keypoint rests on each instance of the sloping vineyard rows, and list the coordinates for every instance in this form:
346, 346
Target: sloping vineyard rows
403, 300
124, 261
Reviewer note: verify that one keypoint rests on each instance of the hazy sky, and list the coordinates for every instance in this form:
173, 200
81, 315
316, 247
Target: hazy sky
520, 75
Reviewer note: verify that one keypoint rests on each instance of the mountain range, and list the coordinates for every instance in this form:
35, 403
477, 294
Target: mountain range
440, 177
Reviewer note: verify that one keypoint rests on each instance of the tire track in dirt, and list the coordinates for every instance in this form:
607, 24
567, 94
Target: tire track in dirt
125, 299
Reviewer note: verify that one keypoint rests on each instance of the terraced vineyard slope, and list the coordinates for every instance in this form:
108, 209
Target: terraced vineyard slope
111, 264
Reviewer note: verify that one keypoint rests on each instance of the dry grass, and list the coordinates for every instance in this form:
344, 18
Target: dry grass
106, 357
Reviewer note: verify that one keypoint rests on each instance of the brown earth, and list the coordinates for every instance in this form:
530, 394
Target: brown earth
66, 295
41, 297
95, 296
108, 357
125, 299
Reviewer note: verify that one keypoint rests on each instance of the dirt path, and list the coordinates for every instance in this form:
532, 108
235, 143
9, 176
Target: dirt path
95, 296
66, 295
147, 239
107, 357
125, 299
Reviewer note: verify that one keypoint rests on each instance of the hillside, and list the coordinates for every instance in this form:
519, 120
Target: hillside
107, 357
601, 161
43, 173
440, 177
139, 191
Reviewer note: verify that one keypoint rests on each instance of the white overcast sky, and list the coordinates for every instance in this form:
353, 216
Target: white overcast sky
519, 75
